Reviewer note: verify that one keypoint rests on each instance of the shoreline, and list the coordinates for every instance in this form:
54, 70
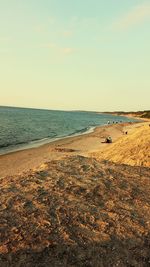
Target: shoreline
45, 141
22, 161
48, 140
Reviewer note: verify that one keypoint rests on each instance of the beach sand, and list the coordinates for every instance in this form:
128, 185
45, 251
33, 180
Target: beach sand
60, 206
22, 161
132, 149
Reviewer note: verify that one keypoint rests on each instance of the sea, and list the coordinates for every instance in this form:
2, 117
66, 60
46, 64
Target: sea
23, 128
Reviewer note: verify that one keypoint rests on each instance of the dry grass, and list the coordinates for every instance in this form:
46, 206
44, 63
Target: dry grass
132, 149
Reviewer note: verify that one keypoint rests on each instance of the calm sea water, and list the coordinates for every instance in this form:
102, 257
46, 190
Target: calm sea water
22, 128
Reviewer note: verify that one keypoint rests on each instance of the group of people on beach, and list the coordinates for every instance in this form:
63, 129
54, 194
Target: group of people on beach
108, 122
108, 139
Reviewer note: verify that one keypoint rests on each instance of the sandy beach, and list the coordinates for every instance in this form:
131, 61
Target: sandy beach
25, 160
66, 204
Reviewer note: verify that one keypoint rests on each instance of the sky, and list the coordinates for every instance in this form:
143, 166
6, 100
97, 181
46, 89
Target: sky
75, 54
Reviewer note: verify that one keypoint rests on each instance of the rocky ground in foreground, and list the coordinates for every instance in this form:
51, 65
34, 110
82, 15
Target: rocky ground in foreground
76, 212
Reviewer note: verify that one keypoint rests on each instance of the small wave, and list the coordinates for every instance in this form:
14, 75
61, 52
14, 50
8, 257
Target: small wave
85, 130
35, 140
39, 142
10, 144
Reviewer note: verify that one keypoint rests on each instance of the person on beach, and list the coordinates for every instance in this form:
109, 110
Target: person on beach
108, 139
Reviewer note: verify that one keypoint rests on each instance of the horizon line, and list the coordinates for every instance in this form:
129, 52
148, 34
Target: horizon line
74, 110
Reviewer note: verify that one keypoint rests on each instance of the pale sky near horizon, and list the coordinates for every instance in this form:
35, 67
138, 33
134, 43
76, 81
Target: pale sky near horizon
75, 54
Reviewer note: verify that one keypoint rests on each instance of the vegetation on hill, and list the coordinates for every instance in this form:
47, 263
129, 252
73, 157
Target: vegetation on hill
146, 114
142, 114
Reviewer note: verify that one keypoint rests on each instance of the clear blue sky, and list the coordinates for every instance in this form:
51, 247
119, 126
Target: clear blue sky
75, 54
